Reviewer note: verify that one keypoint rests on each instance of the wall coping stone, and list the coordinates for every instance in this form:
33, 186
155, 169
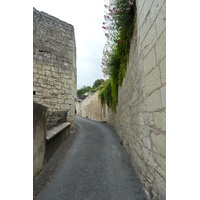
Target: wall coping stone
55, 130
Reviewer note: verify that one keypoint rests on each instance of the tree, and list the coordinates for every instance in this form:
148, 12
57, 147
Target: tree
97, 83
83, 90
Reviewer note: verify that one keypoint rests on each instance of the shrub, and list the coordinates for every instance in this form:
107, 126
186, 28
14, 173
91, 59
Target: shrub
119, 24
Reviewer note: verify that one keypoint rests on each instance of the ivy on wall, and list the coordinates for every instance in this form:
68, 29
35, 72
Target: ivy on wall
119, 25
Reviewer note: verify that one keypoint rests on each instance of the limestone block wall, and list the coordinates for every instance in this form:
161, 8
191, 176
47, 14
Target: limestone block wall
91, 107
78, 108
54, 64
141, 110
56, 118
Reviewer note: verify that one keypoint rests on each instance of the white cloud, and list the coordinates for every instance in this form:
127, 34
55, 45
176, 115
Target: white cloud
86, 17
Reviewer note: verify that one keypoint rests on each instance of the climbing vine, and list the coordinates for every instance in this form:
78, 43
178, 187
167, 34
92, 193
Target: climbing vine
118, 26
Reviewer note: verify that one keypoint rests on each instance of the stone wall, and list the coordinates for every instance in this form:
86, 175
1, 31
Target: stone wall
54, 64
56, 118
46, 142
78, 108
54, 139
91, 108
141, 110
39, 137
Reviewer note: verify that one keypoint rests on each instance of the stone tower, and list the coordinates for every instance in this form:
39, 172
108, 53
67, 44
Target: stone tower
54, 66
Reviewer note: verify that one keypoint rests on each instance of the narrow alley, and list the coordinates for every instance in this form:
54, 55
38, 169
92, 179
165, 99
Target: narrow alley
94, 166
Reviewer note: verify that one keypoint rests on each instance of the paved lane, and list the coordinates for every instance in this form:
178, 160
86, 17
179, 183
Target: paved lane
96, 167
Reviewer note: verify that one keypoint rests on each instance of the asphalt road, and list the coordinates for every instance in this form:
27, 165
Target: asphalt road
95, 167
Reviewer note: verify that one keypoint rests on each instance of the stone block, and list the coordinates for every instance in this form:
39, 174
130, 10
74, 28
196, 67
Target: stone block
64, 106
161, 47
160, 120
67, 101
148, 156
152, 80
60, 84
67, 91
65, 64
145, 28
65, 76
65, 81
154, 101
161, 185
57, 106
159, 144
48, 73
149, 40
35, 70
147, 142
46, 67
48, 55
58, 87
163, 96
148, 119
46, 59
44, 85
55, 91
144, 12
53, 56
40, 58
149, 61
162, 67
41, 71
54, 69
161, 20
55, 74
161, 161
155, 8
43, 76
62, 92
50, 79
70, 82
40, 80
161, 172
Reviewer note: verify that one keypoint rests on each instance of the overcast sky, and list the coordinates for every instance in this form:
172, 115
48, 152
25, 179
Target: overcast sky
87, 17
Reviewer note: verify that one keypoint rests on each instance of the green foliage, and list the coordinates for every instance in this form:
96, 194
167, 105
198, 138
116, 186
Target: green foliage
97, 83
121, 24
95, 87
105, 93
83, 90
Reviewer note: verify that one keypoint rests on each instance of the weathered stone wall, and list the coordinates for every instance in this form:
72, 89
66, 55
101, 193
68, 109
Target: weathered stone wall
54, 63
39, 137
55, 138
141, 110
78, 108
91, 107
56, 118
